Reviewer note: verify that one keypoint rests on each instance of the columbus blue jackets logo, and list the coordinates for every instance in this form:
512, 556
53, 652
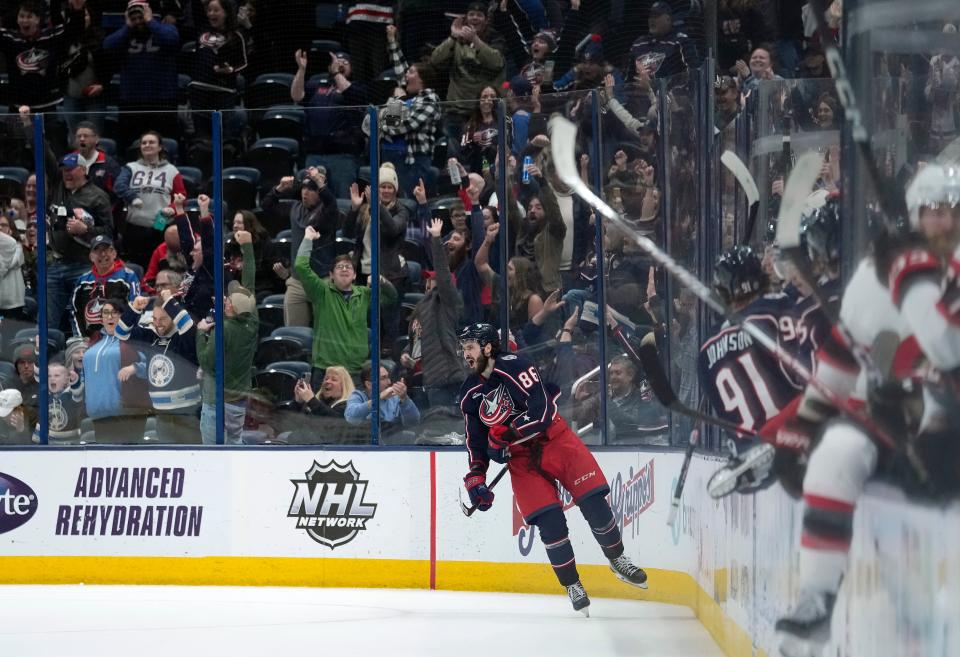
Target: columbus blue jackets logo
652, 61
212, 40
160, 372
33, 61
496, 406
329, 503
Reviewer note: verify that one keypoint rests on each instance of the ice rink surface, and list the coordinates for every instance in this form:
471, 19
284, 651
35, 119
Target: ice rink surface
179, 621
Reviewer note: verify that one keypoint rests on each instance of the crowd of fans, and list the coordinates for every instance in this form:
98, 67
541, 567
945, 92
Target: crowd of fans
126, 91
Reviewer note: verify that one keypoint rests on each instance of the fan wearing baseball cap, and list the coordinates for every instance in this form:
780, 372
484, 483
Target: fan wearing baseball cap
663, 51
79, 211
16, 420
108, 278
241, 325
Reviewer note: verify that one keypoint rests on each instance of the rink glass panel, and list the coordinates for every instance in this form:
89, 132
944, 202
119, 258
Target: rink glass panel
18, 305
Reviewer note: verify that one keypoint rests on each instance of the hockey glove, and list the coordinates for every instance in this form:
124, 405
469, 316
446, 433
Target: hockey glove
476, 485
793, 442
498, 442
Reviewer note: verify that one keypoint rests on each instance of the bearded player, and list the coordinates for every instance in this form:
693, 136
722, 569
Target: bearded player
511, 417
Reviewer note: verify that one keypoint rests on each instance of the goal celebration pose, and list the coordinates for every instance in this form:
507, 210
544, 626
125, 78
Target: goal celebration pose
511, 417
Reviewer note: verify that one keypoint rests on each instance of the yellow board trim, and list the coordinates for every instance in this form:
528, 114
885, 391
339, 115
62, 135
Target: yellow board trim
666, 586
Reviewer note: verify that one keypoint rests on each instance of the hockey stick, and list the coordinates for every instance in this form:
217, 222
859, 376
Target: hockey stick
666, 396
563, 135
468, 510
892, 205
749, 187
682, 479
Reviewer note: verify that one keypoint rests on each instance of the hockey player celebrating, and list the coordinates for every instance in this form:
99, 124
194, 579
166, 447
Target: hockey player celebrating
745, 384
820, 232
511, 417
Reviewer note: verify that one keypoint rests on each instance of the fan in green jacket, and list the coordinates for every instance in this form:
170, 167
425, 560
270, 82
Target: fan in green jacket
340, 309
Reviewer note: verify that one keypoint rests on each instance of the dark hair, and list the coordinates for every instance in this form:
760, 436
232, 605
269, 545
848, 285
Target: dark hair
89, 125
37, 7
119, 304
230, 9
253, 226
163, 151
366, 371
344, 257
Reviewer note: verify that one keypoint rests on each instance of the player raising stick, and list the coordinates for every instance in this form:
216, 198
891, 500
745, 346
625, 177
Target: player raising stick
511, 417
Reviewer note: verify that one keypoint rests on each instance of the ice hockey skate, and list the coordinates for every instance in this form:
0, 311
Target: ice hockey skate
579, 599
804, 631
745, 473
627, 572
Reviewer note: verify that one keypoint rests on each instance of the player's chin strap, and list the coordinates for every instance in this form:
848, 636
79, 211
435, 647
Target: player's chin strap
563, 138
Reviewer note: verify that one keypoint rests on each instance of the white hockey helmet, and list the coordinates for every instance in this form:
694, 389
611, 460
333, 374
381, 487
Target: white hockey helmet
934, 185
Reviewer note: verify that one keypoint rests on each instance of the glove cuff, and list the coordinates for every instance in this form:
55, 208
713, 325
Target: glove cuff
473, 479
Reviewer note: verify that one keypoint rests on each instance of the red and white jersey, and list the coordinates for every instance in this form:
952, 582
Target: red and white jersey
929, 296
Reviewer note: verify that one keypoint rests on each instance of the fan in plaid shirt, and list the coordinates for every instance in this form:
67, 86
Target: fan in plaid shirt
410, 133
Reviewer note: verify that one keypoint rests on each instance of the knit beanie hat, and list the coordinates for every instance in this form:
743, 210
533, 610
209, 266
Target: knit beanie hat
388, 175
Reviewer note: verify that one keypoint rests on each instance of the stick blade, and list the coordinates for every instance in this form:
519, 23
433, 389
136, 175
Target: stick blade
674, 507
799, 185
742, 174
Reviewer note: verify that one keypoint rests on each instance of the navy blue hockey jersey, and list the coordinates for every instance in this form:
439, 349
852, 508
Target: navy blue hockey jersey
745, 383
515, 395
812, 325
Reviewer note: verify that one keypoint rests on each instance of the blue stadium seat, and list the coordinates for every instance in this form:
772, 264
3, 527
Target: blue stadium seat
240, 189
12, 180
109, 146
54, 336
274, 348
275, 158
278, 384
268, 89
282, 121
192, 179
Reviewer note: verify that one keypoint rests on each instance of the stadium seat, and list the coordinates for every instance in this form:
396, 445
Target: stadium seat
279, 384
136, 269
108, 146
414, 251
12, 180
270, 313
54, 336
298, 367
240, 189
282, 121
275, 158
344, 245
268, 89
8, 372
414, 272
302, 334
398, 346
192, 180
30, 307
274, 348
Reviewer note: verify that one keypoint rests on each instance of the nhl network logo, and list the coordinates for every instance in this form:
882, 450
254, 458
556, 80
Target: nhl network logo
328, 503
